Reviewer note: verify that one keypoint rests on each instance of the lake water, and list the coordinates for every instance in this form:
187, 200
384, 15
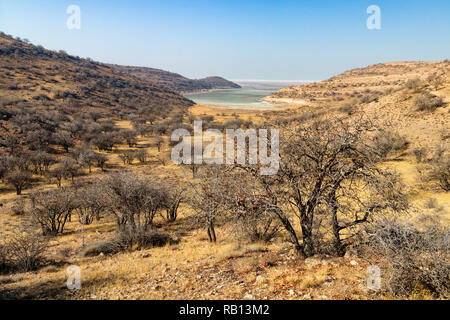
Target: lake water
249, 95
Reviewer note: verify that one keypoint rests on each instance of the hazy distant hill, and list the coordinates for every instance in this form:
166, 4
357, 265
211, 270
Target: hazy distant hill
31, 75
177, 82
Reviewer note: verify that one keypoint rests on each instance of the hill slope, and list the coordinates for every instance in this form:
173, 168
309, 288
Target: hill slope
359, 82
389, 94
33, 75
177, 82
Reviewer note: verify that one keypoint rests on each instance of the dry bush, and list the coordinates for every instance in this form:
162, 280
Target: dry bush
329, 170
24, 251
348, 109
142, 155
389, 143
134, 199
172, 202
90, 203
129, 239
127, 156
27, 250
259, 225
436, 80
428, 102
415, 258
4, 261
420, 154
52, 209
18, 208
440, 168
441, 173
413, 84
19, 179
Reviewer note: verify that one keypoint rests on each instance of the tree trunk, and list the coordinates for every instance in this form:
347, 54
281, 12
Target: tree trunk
308, 246
211, 233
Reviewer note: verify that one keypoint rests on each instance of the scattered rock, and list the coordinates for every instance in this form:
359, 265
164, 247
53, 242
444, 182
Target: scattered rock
351, 253
354, 263
291, 292
312, 262
330, 278
249, 297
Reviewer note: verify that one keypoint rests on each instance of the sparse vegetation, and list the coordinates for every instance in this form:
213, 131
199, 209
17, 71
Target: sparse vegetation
428, 102
417, 260
89, 148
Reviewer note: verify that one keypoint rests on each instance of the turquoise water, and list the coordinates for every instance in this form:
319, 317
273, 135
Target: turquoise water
248, 96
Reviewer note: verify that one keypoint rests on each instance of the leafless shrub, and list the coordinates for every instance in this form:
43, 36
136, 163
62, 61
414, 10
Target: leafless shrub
441, 169
134, 199
90, 203
52, 209
127, 156
435, 80
348, 109
130, 137
208, 207
63, 139
413, 84
4, 258
420, 154
129, 240
24, 250
416, 259
142, 155
328, 168
19, 179
172, 202
18, 207
390, 143
100, 160
428, 102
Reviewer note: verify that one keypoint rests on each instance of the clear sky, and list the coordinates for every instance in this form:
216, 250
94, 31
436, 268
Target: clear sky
245, 39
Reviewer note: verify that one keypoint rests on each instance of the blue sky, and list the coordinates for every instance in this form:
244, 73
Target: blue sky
274, 40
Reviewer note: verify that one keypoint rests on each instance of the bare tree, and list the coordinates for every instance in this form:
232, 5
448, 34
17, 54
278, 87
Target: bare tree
19, 179
142, 155
64, 139
134, 200
159, 142
130, 137
173, 200
206, 199
101, 160
328, 172
52, 209
127, 156
11, 142
26, 249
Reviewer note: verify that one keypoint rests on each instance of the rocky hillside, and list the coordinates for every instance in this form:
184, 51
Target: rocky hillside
34, 76
176, 82
359, 83
411, 99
